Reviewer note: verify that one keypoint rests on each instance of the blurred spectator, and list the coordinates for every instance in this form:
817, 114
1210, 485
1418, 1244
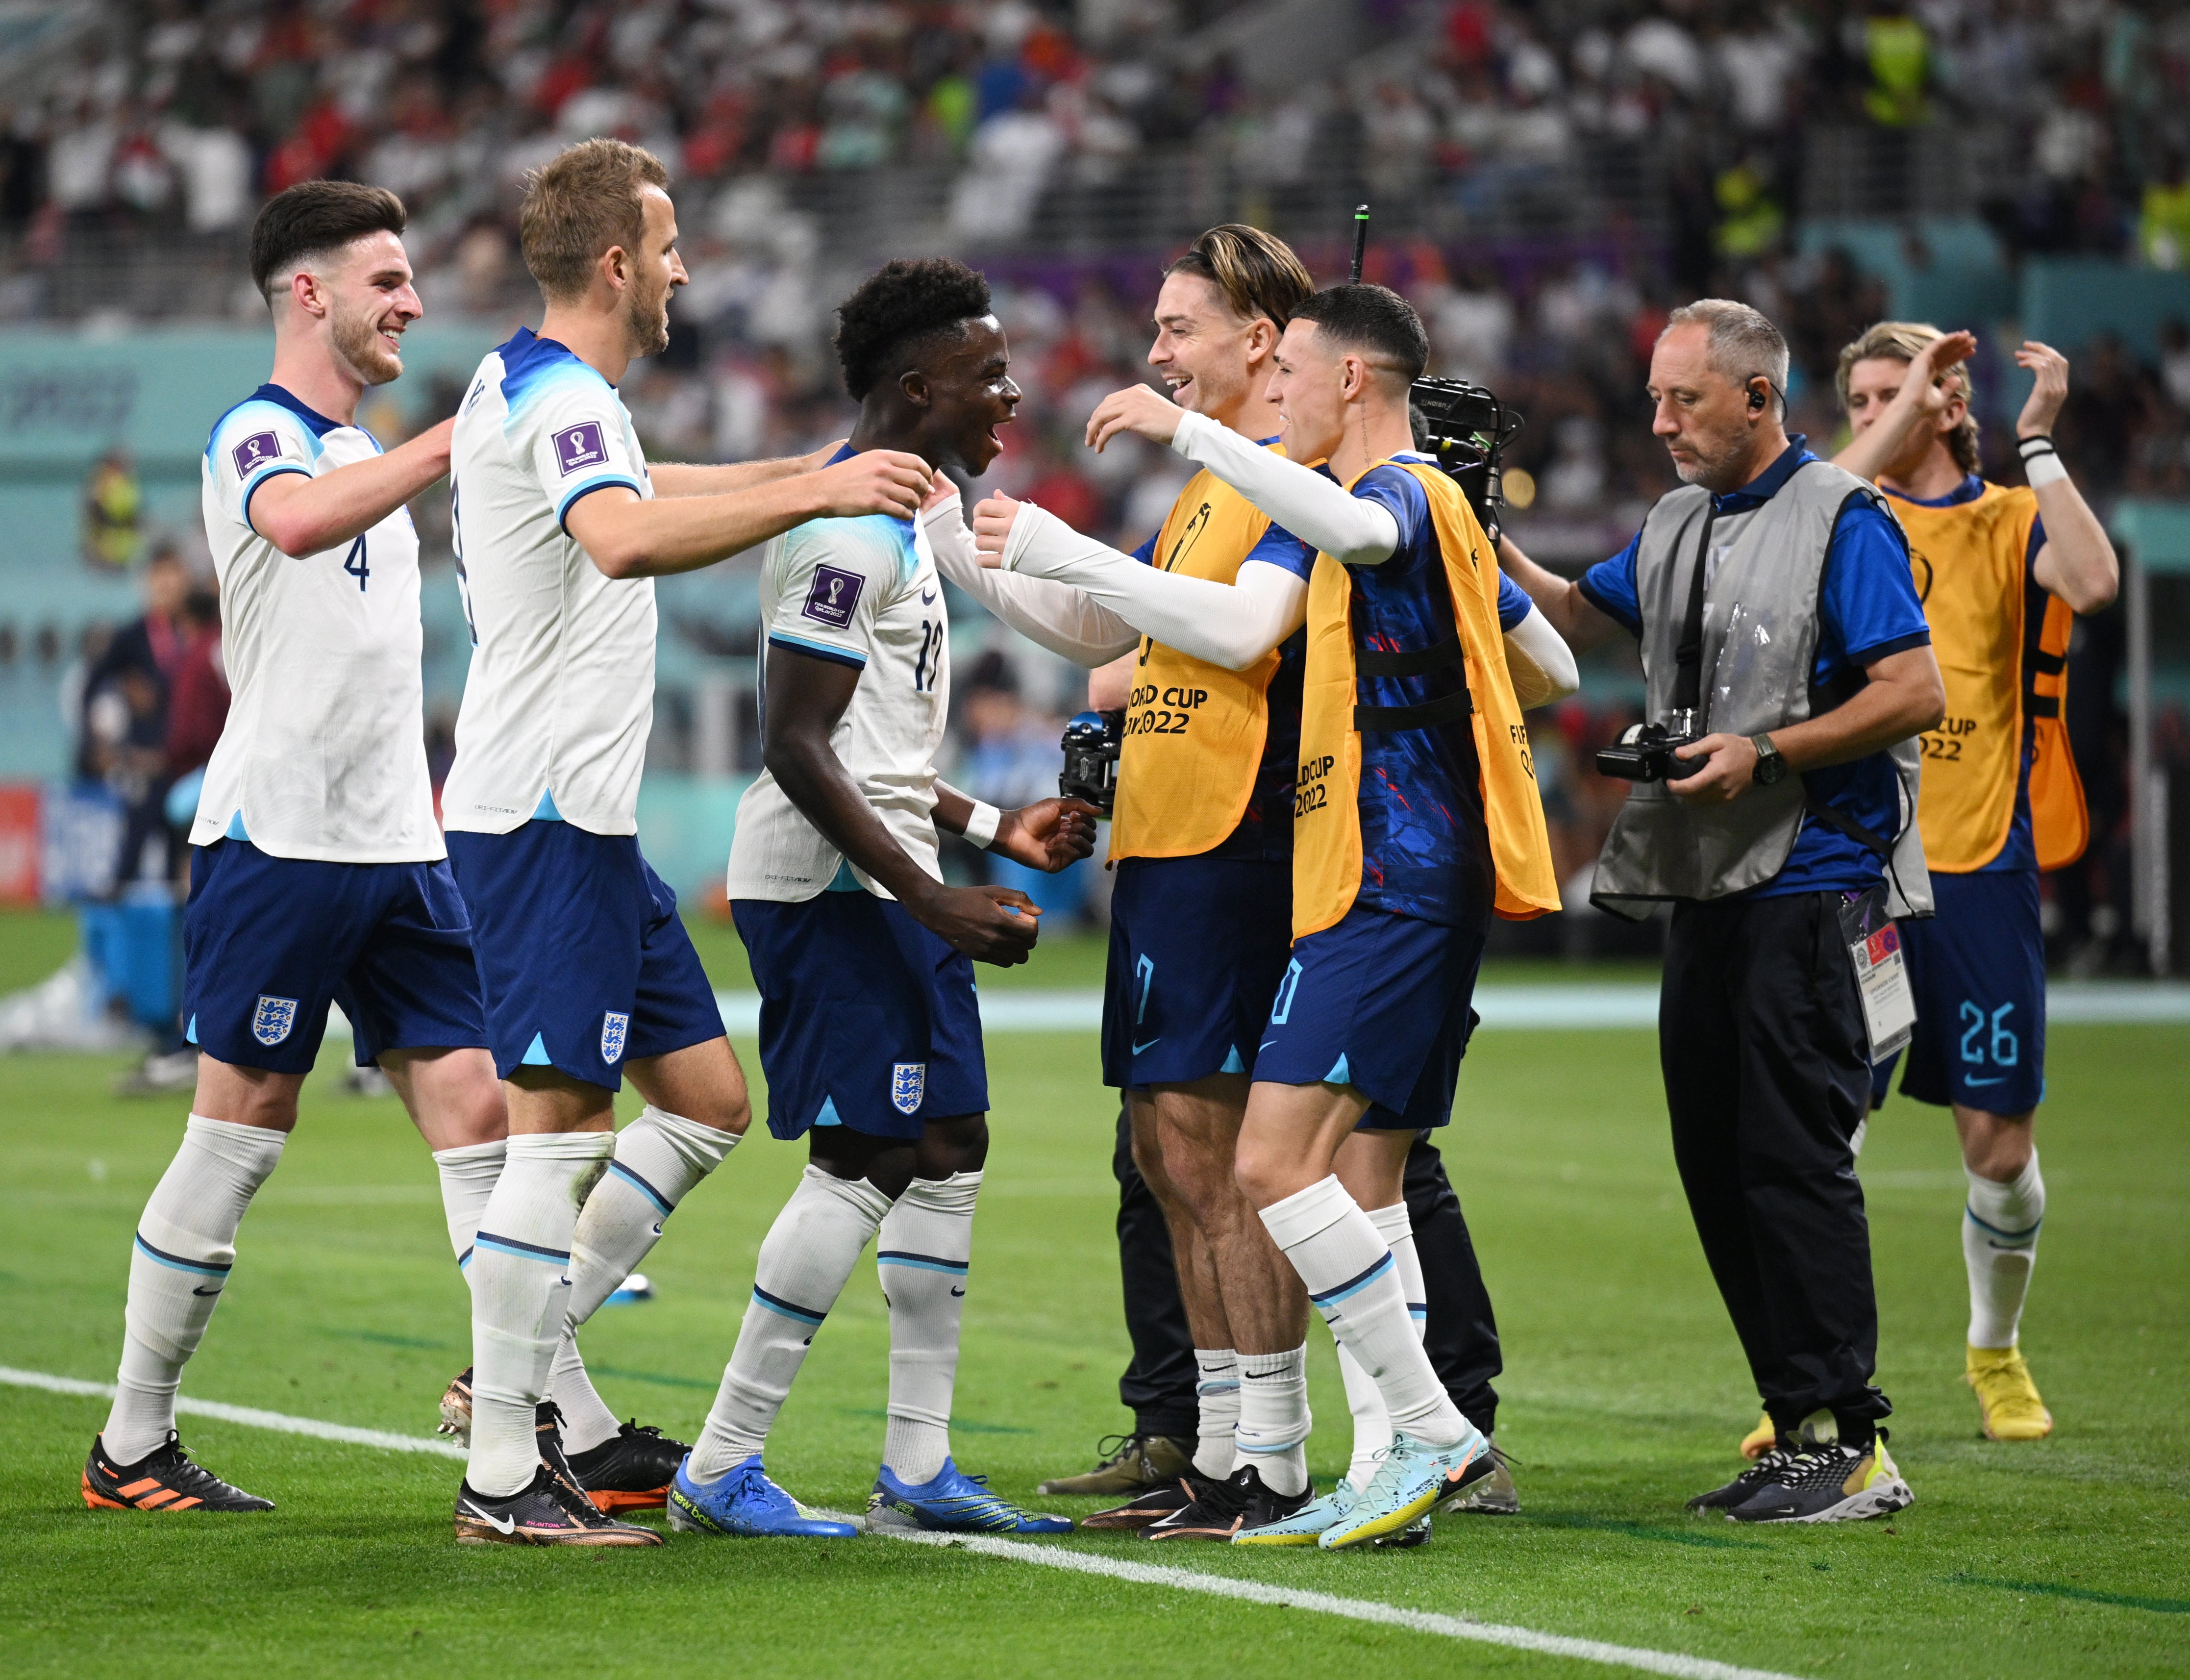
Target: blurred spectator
113, 512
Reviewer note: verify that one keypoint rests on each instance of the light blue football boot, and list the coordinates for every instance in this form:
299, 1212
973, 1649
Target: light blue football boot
1408, 1484
1305, 1525
953, 1503
746, 1505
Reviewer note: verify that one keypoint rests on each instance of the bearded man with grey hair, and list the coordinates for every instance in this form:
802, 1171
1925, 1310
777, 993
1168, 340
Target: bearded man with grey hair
1790, 667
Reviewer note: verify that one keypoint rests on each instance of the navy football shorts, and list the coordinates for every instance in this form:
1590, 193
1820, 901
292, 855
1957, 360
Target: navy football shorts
582, 958
867, 1019
1197, 948
268, 943
1380, 1002
1978, 967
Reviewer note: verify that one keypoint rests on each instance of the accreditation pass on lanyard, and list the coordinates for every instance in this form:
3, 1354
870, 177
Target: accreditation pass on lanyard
1882, 972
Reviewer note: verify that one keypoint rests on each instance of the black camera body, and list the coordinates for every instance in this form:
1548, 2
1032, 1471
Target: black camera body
1091, 744
1467, 429
1651, 751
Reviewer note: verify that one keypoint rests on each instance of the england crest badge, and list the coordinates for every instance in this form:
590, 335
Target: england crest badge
613, 1028
908, 1085
274, 1019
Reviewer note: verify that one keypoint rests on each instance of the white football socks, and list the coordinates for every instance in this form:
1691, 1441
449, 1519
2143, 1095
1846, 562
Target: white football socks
1999, 1245
1273, 1418
659, 1158
521, 1293
1217, 1407
1352, 1279
921, 1255
468, 1174
177, 1267
805, 1259
1372, 1428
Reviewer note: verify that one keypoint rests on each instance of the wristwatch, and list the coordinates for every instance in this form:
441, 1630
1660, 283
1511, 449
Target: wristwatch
1770, 766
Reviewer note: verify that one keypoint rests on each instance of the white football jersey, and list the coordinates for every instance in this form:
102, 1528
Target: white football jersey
324, 753
559, 698
864, 593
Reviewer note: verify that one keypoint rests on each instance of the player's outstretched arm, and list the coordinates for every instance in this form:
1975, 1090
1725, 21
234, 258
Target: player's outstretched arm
1314, 507
672, 478
1925, 391
1055, 615
302, 515
806, 698
1049, 835
628, 535
1581, 625
1233, 624
2076, 562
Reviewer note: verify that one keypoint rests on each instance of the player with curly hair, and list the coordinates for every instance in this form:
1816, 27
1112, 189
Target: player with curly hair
869, 1034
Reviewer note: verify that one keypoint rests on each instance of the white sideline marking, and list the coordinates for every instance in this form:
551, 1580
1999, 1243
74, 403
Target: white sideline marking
1055, 1558
1353, 1609
250, 1415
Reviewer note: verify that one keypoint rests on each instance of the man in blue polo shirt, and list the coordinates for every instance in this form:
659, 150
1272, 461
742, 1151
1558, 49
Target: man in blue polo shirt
1779, 626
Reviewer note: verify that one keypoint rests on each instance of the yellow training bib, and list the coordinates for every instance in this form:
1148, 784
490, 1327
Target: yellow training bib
1194, 731
1970, 566
1327, 799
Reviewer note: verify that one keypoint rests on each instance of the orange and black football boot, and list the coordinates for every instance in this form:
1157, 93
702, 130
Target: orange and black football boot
164, 1479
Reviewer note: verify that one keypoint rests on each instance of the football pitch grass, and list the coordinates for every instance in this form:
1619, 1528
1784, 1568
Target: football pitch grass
1623, 1394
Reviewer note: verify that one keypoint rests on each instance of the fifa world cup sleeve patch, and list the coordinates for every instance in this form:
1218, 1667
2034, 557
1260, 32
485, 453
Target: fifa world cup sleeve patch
255, 452
833, 595
580, 445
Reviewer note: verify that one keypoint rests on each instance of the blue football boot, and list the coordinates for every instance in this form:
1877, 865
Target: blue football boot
745, 1504
953, 1503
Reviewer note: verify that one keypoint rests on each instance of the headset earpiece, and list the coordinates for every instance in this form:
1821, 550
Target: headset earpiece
1756, 397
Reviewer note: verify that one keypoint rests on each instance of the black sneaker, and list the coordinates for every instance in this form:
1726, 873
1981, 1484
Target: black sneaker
1225, 1507
632, 1470
164, 1479
546, 1511
1753, 1481
1154, 1504
1828, 1482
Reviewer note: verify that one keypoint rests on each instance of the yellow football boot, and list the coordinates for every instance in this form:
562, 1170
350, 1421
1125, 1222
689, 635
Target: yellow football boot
1760, 1440
2007, 1399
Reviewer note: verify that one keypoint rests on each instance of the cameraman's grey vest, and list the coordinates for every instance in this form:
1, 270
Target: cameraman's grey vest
1760, 650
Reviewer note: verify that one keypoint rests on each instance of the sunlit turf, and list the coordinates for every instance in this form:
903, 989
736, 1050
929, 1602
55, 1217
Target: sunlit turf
1625, 1394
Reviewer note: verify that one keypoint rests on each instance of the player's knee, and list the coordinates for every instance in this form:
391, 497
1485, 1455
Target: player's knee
887, 1163
959, 1144
1263, 1174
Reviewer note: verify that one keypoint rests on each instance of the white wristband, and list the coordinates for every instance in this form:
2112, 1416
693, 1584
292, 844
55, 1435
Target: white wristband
2044, 469
981, 826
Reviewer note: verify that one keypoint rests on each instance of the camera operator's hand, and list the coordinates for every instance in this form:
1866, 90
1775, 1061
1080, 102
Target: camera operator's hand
1048, 834
990, 924
1137, 408
992, 528
1729, 770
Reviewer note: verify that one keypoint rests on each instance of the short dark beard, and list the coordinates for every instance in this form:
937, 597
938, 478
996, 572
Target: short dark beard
357, 342
648, 326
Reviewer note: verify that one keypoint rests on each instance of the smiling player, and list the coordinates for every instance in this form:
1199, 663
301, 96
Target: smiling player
587, 971
869, 1033
318, 873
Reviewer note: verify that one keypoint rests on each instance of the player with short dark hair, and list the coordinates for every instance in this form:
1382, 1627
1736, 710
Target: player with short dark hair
869, 1033
1414, 811
318, 873
587, 971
